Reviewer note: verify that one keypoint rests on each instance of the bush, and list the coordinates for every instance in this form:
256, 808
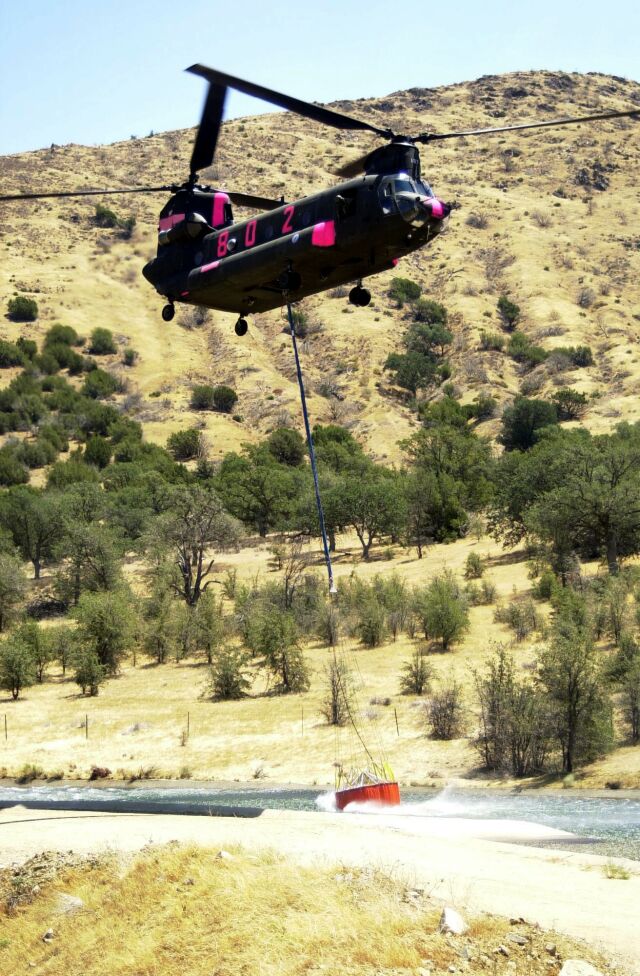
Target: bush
36, 454
286, 446
22, 309
129, 356
227, 677
491, 341
444, 712
483, 407
10, 355
416, 674
99, 384
522, 350
224, 398
202, 398
88, 673
337, 701
185, 445
473, 567
570, 404
17, 669
65, 356
522, 420
12, 471
105, 217
98, 452
509, 312
102, 343
27, 347
403, 290
62, 334
443, 610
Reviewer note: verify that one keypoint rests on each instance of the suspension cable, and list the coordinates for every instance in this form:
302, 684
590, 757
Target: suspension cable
312, 453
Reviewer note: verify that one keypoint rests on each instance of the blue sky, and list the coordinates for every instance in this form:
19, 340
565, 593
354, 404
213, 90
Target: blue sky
96, 71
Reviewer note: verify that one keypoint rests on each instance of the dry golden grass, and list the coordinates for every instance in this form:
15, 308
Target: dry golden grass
186, 910
137, 723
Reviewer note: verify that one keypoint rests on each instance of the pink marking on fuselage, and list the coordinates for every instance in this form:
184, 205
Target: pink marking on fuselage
209, 267
324, 234
395, 261
183, 294
219, 201
166, 223
437, 208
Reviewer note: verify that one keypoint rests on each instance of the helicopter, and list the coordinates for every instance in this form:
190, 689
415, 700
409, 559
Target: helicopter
383, 211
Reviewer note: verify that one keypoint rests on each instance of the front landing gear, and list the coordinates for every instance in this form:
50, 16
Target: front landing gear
168, 312
241, 327
360, 296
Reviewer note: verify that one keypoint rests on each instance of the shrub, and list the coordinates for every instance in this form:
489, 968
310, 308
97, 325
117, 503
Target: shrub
12, 471
570, 404
522, 420
227, 675
224, 398
129, 356
202, 398
522, 617
36, 454
337, 701
17, 670
287, 446
491, 341
483, 407
88, 672
444, 712
98, 452
184, 445
443, 610
99, 384
10, 355
105, 217
403, 290
522, 350
22, 309
62, 333
102, 343
27, 347
509, 312
586, 297
416, 674
473, 567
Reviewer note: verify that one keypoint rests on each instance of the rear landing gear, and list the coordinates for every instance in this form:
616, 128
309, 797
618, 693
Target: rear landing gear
168, 312
360, 296
241, 327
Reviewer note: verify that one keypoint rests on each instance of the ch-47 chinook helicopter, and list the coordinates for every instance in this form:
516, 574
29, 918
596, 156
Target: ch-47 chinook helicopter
341, 235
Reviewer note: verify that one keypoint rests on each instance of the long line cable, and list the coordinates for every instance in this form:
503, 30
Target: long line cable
312, 453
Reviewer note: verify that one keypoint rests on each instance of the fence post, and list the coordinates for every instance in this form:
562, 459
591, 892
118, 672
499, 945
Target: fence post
395, 712
86, 726
5, 727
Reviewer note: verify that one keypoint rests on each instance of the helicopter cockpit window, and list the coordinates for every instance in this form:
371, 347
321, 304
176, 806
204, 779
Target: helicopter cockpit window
346, 204
404, 186
425, 189
228, 214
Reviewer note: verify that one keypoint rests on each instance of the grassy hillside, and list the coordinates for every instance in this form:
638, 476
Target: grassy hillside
531, 220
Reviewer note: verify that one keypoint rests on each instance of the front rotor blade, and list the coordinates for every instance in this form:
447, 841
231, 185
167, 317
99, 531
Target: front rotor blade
249, 200
431, 136
204, 147
316, 112
85, 193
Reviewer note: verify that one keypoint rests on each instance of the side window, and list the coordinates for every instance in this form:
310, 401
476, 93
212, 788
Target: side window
346, 204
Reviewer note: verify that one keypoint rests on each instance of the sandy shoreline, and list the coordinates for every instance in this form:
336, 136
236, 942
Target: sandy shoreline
463, 863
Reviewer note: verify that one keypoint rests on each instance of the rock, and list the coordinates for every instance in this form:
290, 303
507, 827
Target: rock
421, 971
551, 948
48, 936
501, 950
518, 939
188, 881
68, 904
575, 967
225, 856
99, 772
451, 921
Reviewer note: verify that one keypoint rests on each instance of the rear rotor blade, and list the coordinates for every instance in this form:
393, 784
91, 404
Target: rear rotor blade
316, 112
432, 136
353, 168
204, 147
85, 193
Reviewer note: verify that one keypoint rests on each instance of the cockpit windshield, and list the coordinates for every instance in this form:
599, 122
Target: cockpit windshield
425, 189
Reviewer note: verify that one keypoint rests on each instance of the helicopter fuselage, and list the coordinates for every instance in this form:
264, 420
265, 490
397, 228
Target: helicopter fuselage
340, 235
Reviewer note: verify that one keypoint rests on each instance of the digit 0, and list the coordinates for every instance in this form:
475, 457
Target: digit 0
250, 234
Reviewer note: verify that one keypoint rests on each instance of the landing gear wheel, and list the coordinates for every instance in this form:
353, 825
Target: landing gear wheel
359, 296
168, 312
241, 327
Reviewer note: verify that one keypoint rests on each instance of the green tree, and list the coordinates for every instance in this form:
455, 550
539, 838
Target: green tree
184, 445
12, 587
443, 609
36, 639
202, 397
89, 555
89, 674
337, 700
273, 636
373, 506
522, 421
416, 674
403, 290
228, 678
98, 451
257, 490
194, 524
16, 666
573, 677
509, 312
33, 519
287, 446
106, 626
